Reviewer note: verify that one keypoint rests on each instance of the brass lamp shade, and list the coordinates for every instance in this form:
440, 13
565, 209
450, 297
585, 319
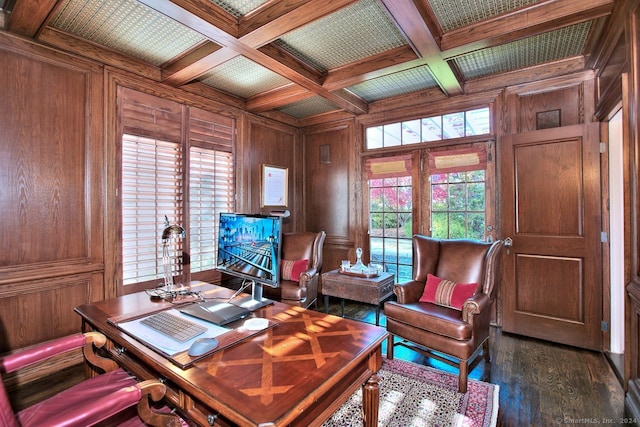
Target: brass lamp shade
173, 231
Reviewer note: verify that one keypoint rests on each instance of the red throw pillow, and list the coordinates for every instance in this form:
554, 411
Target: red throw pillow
291, 270
447, 293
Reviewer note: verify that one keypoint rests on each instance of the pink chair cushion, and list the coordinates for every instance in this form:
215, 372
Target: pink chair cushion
447, 293
292, 269
84, 403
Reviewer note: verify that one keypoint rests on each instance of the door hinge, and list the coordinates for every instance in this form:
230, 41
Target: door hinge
604, 326
604, 237
603, 147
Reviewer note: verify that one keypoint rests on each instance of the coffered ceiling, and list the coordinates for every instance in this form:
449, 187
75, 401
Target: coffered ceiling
296, 59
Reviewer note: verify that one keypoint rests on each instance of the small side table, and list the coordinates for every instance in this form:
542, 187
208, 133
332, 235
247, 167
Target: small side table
374, 290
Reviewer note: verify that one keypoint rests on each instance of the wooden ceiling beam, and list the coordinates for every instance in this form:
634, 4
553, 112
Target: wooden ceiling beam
525, 22
305, 13
265, 13
286, 58
191, 57
27, 17
527, 75
382, 64
353, 105
278, 97
182, 11
212, 14
70, 43
411, 23
308, 12
188, 72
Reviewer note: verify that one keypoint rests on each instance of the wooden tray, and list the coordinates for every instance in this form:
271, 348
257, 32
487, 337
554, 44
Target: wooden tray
353, 273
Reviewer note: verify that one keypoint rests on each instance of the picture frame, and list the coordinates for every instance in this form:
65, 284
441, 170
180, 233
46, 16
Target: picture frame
275, 184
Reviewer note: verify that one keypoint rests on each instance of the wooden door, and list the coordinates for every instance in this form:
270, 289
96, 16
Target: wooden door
550, 207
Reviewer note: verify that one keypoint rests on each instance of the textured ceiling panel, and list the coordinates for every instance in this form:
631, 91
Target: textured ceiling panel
308, 107
243, 77
563, 43
126, 26
395, 84
452, 14
239, 8
353, 33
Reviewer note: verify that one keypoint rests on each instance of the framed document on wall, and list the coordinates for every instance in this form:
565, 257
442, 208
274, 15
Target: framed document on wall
275, 182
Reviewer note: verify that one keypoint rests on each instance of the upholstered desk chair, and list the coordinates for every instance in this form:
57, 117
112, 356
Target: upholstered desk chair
300, 265
444, 312
92, 401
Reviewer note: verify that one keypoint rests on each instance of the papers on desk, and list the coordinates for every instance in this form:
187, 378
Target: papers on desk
163, 343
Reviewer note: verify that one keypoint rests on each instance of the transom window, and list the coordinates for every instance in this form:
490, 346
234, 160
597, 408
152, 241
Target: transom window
428, 129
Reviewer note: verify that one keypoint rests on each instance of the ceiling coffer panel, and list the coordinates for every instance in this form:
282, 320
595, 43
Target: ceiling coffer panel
554, 45
128, 27
351, 34
242, 77
452, 14
308, 107
400, 83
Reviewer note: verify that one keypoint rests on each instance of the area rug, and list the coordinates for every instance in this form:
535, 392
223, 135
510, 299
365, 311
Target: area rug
420, 396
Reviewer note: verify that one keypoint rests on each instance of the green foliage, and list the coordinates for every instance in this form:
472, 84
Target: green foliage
458, 204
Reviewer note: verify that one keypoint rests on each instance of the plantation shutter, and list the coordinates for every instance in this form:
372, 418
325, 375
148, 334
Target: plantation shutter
210, 183
151, 183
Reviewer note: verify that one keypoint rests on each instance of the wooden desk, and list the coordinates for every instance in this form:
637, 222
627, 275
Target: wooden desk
374, 290
296, 373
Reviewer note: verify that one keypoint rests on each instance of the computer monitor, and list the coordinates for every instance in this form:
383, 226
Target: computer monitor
249, 248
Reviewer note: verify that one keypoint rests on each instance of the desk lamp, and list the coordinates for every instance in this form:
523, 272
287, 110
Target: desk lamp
170, 232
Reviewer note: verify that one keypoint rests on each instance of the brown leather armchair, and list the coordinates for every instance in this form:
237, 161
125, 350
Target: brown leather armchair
109, 398
453, 336
300, 246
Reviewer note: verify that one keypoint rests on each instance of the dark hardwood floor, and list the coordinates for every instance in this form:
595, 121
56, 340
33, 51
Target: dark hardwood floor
541, 383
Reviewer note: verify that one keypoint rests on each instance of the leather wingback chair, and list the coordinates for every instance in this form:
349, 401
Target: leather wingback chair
452, 336
111, 397
300, 246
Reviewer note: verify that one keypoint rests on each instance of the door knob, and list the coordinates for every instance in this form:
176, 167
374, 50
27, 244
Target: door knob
508, 243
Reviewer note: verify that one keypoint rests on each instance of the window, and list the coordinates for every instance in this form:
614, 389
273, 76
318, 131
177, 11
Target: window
391, 214
151, 188
165, 171
458, 205
209, 194
457, 192
429, 129
453, 186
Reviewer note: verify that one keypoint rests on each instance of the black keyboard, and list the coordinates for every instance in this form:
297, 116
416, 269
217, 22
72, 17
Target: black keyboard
173, 326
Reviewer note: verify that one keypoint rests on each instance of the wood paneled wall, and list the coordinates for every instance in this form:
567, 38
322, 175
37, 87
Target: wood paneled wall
51, 193
332, 189
57, 172
271, 143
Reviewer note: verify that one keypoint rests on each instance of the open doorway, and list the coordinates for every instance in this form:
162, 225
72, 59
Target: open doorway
616, 242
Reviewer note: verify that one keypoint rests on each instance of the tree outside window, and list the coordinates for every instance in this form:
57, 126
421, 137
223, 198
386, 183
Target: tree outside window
458, 205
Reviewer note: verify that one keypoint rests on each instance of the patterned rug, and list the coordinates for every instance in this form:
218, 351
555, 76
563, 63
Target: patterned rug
416, 395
